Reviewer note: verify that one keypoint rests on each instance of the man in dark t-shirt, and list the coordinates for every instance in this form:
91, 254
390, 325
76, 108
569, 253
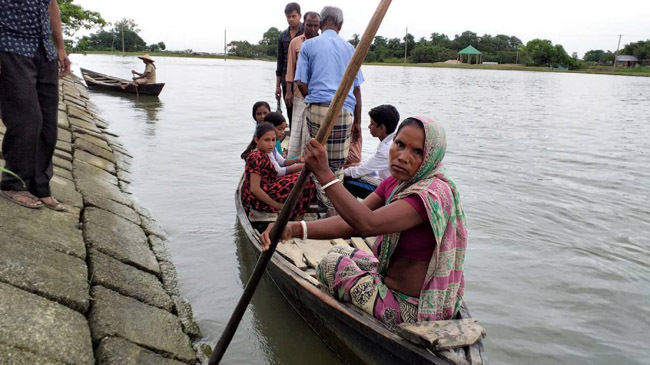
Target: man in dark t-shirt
292, 12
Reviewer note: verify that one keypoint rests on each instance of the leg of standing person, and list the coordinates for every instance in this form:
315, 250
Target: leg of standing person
47, 86
289, 108
299, 132
21, 116
338, 142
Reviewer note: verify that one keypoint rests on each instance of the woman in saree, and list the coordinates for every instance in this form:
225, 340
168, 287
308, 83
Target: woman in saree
416, 270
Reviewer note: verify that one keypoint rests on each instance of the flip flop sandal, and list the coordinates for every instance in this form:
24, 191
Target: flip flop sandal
54, 205
14, 196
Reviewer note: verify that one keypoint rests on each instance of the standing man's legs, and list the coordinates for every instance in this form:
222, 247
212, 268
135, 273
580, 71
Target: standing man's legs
28, 100
47, 87
299, 132
289, 108
22, 116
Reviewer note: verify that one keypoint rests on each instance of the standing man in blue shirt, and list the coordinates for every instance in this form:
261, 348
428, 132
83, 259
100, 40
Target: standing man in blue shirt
321, 65
30, 66
296, 28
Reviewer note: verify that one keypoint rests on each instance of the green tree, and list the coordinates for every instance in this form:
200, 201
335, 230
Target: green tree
542, 52
396, 47
539, 52
354, 40
125, 30
430, 54
438, 39
99, 41
162, 45
465, 39
129, 40
74, 17
245, 49
269, 42
561, 57
599, 56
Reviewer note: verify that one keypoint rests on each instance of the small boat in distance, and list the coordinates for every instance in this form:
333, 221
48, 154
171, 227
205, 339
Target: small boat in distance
96, 80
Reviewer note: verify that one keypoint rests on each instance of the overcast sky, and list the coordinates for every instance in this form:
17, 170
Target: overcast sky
579, 25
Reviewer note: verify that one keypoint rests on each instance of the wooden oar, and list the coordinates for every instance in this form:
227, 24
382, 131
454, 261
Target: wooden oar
291, 201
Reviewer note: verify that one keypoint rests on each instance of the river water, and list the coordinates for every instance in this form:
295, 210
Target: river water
552, 170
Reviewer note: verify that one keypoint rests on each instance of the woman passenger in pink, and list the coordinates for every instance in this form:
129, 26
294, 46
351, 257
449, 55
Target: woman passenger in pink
416, 272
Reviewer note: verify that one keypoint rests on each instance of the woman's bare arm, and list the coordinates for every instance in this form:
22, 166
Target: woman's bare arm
395, 217
260, 194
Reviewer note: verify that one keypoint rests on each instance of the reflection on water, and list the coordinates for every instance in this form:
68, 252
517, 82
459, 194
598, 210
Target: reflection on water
151, 106
552, 171
280, 344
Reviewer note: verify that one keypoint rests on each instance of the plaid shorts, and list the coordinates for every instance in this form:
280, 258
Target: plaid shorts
338, 142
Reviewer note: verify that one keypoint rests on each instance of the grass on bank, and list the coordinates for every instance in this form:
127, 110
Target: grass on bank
604, 70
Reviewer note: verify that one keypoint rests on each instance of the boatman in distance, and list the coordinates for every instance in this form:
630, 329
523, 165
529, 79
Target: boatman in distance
292, 12
30, 66
321, 66
149, 74
293, 98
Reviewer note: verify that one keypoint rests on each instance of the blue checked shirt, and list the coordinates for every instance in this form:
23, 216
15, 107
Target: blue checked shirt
24, 26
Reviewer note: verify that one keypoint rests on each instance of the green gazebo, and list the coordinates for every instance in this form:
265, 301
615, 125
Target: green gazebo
470, 51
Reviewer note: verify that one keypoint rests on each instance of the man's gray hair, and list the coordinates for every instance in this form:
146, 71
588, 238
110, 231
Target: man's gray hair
331, 13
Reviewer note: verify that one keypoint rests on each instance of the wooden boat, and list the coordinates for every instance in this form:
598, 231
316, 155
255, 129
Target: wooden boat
96, 80
356, 337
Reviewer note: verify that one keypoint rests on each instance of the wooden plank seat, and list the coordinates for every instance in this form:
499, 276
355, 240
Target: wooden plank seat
443, 335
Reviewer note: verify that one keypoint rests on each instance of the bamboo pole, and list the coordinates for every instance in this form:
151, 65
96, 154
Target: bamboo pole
332, 112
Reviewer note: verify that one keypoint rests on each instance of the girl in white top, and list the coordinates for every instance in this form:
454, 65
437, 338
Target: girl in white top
282, 166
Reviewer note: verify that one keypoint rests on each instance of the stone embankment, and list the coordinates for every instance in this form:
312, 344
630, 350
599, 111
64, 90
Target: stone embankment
94, 284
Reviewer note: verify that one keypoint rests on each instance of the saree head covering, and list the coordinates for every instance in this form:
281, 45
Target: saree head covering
442, 292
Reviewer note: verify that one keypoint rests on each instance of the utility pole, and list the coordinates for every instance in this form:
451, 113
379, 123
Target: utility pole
617, 48
225, 49
406, 43
517, 59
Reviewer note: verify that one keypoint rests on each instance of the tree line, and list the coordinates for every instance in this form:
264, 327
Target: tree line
123, 36
439, 47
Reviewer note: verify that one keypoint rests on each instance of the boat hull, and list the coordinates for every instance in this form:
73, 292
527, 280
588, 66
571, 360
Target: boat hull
98, 81
353, 335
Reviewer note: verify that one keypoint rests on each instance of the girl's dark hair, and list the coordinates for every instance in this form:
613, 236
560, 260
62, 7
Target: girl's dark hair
259, 104
274, 118
410, 121
260, 130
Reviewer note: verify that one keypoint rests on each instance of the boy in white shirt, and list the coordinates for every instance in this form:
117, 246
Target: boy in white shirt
363, 179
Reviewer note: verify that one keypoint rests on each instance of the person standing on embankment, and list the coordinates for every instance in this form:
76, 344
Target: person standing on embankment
292, 12
30, 66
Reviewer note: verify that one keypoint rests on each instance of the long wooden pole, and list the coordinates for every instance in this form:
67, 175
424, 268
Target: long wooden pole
406, 43
289, 205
